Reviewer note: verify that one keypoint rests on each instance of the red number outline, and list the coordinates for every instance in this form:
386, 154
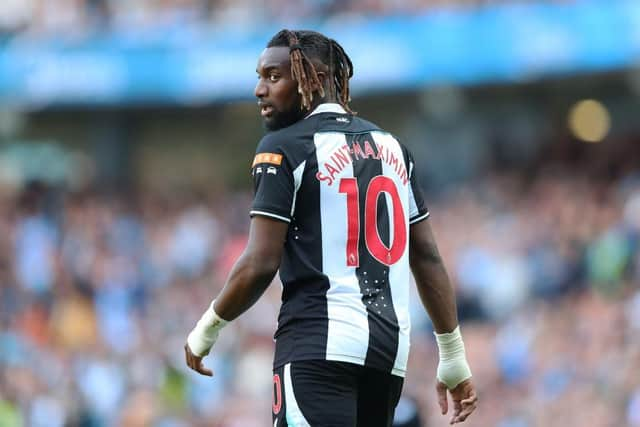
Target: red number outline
376, 247
277, 395
349, 186
374, 244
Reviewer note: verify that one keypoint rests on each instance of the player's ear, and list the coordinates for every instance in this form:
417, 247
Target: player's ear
322, 76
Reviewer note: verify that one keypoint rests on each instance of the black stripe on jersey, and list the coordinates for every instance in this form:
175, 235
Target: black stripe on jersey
304, 296
373, 276
423, 211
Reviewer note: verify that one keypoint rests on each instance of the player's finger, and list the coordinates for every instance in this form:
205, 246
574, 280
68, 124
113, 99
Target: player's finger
457, 408
187, 356
464, 414
466, 410
203, 370
471, 399
195, 362
441, 389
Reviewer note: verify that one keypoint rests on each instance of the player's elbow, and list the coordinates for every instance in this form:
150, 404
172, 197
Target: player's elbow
424, 256
423, 250
260, 266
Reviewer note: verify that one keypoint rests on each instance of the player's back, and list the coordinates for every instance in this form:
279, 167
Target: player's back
345, 270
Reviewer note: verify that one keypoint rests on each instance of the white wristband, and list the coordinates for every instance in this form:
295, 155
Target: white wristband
453, 367
205, 333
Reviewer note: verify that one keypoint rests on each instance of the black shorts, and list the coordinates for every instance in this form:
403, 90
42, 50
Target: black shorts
321, 393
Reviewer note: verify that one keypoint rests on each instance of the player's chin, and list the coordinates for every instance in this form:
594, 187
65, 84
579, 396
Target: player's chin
279, 119
270, 123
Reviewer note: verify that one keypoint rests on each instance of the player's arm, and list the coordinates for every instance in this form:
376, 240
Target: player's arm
250, 276
431, 277
271, 210
255, 268
438, 298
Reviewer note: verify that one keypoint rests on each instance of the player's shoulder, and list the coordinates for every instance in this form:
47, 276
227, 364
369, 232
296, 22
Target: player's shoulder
291, 145
366, 125
345, 123
291, 138
359, 125
272, 140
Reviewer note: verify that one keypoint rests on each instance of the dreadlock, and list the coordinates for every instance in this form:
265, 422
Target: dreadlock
305, 44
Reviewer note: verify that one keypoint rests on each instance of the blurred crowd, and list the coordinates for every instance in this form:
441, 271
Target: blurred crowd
73, 18
98, 292
547, 275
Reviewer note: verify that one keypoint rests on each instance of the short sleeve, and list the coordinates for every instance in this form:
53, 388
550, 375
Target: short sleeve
417, 207
273, 182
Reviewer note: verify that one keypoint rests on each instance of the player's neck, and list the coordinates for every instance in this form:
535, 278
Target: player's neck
327, 99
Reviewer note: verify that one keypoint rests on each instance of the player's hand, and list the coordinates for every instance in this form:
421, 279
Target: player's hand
195, 362
464, 399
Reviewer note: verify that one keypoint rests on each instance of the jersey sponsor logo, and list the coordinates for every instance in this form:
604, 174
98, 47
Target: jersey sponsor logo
345, 155
271, 158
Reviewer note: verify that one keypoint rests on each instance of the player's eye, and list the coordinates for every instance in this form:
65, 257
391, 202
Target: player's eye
273, 77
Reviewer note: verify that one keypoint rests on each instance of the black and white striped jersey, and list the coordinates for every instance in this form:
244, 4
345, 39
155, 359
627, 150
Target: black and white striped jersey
349, 192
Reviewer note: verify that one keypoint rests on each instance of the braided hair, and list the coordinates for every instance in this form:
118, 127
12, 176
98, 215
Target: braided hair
305, 44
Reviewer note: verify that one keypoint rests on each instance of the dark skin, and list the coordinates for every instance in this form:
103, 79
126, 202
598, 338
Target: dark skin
277, 89
439, 299
256, 267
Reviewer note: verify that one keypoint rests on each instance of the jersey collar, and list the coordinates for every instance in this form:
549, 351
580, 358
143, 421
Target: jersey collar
328, 107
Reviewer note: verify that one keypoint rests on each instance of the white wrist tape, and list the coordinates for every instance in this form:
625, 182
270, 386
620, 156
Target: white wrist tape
453, 367
206, 331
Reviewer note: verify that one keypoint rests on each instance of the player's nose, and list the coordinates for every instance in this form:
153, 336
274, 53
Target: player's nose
261, 89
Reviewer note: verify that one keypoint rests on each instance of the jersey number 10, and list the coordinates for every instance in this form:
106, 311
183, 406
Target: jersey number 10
373, 242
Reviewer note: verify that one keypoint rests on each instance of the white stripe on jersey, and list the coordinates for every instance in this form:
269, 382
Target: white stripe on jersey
294, 415
398, 272
297, 180
413, 206
420, 218
348, 332
389, 202
282, 218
